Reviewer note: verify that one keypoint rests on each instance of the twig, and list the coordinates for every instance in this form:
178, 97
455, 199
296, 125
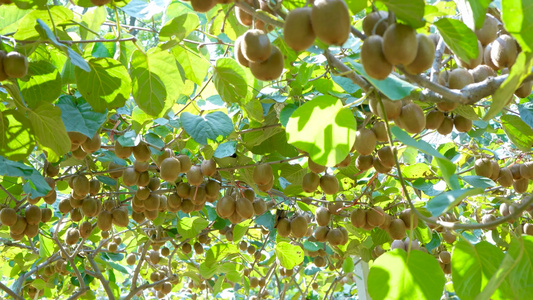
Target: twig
10, 292
8, 193
99, 275
358, 33
348, 73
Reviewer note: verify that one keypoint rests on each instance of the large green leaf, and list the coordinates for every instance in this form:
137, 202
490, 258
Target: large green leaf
190, 227
526, 113
35, 184
194, 64
355, 6
520, 134
106, 86
16, 140
517, 17
79, 116
179, 27
323, 128
218, 252
156, 81
230, 80
26, 27
401, 275
92, 20
43, 84
211, 126
473, 12
459, 38
49, 129
411, 11
521, 276
289, 255
443, 202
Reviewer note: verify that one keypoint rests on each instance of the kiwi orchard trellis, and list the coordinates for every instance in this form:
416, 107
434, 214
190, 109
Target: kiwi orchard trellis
266, 149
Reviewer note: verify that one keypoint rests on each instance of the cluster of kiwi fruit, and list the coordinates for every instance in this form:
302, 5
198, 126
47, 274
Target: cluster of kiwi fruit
396, 44
81, 145
327, 182
251, 250
253, 50
248, 20
12, 65
517, 175
445, 122
237, 207
323, 232
373, 217
27, 224
297, 226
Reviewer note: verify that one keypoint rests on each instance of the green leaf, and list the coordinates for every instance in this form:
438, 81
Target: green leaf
399, 275
521, 276
355, 6
444, 201
328, 141
218, 252
473, 266
190, 227
106, 86
194, 65
210, 126
517, 17
46, 246
473, 12
156, 81
179, 27
230, 80
289, 255
520, 134
16, 140
26, 27
92, 19
49, 129
467, 111
27, 4
43, 84
479, 181
526, 113
35, 185
80, 116
392, 87
459, 38
411, 12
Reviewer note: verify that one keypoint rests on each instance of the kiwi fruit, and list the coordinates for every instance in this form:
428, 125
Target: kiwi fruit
51, 170
504, 51
130, 176
310, 182
141, 166
131, 259
526, 170
358, 218
19, 226
255, 46
8, 216
185, 163
244, 208
525, 89
72, 236
459, 78
79, 154
64, 206
46, 214
298, 30
237, 52
371, 20
314, 167
425, 55
121, 151
16, 65
212, 188
487, 60
243, 17
335, 237
115, 174
141, 152
319, 261
284, 227
489, 31
448, 237
322, 216
90, 207
380, 130
33, 214
226, 206
85, 229
261, 25
365, 141
386, 156
483, 167
81, 185
345, 162
462, 124
183, 190
397, 244
488, 218
364, 162
495, 170
169, 169
120, 217
520, 186
77, 138
482, 72
434, 119
400, 44
3, 75
505, 177
271, 68
92, 145
329, 184
202, 6
153, 214
412, 118
409, 218
321, 233
100, 2
373, 58
208, 167
31, 230
474, 62
379, 167
397, 229
299, 226
260, 206
194, 176
94, 186
262, 174
392, 108
446, 127
331, 21
153, 202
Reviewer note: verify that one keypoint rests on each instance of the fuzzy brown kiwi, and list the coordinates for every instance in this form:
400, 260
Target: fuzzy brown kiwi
505, 177
331, 21
92, 145
141, 152
271, 68
15, 65
225, 206
386, 157
409, 218
202, 6
46, 214
51, 170
527, 170
379, 167
504, 51
284, 227
474, 62
153, 202
144, 179
244, 208
79, 154
392, 108
260, 206
373, 58
170, 169
487, 60
397, 229
33, 214
446, 127
298, 30
310, 182
261, 25
425, 55
121, 151
482, 72
462, 124
365, 141
19, 226
380, 130
81, 185
90, 207
371, 20
495, 170
104, 220
94, 186
115, 170
237, 52
515, 170
120, 217
329, 184
198, 195
314, 167
434, 119
489, 31
141, 166
335, 237
72, 236
400, 44
243, 17
321, 233
64, 206
130, 176
525, 89
194, 176
262, 174
3, 75
299, 226
322, 216
358, 218
459, 78
364, 162
255, 45
76, 138
31, 230
85, 229
483, 167
8, 216
412, 118
208, 167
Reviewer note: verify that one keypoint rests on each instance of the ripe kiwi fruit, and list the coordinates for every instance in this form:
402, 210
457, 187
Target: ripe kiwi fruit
526, 170
141, 166
314, 167
474, 62
244, 208
46, 214
379, 167
237, 52
409, 218
310, 182
329, 184
505, 177
90, 207
370, 21
373, 58
459, 78
243, 17
504, 51
489, 31
121, 151
380, 130
262, 174
202, 6
284, 227
299, 226
397, 229
208, 167
525, 89
185, 163
15, 65
392, 108
358, 218
92, 145
298, 30
170, 169
434, 119
81, 185
51, 170
335, 237
483, 167
260, 206
115, 174
424, 55
321, 233
487, 60
76, 138
364, 162
495, 170
462, 124
33, 214
8, 216
79, 153
85, 229
194, 176
153, 202
120, 217
520, 186
482, 72
130, 176
31, 230
412, 118
319, 261
141, 152
397, 244
255, 46
322, 216
72, 236
225, 206
94, 186
386, 156
400, 44
365, 141
446, 127
271, 68
331, 21
64, 206
259, 24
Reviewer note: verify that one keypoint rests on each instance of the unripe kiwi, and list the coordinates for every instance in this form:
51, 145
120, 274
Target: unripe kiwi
364, 162
358, 218
319, 261
373, 58
473, 62
386, 156
495, 170
482, 72
335, 237
8, 216
170, 169
504, 51
412, 118
255, 46
298, 30
487, 60
284, 227
225, 206
271, 68
262, 174
310, 182
520, 186
32, 214
202, 6
122, 152
331, 21
194, 176
489, 31
505, 177
130, 176
299, 226
425, 55
379, 167
329, 184
483, 167
93, 144
16, 65
322, 216
244, 208
446, 127
400, 44
462, 124
392, 108
525, 89
314, 167
397, 229
141, 152
365, 141
260, 206
434, 119
371, 20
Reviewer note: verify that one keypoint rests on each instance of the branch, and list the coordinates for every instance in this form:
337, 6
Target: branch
138, 267
263, 17
79, 293
10, 292
357, 33
347, 72
99, 275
